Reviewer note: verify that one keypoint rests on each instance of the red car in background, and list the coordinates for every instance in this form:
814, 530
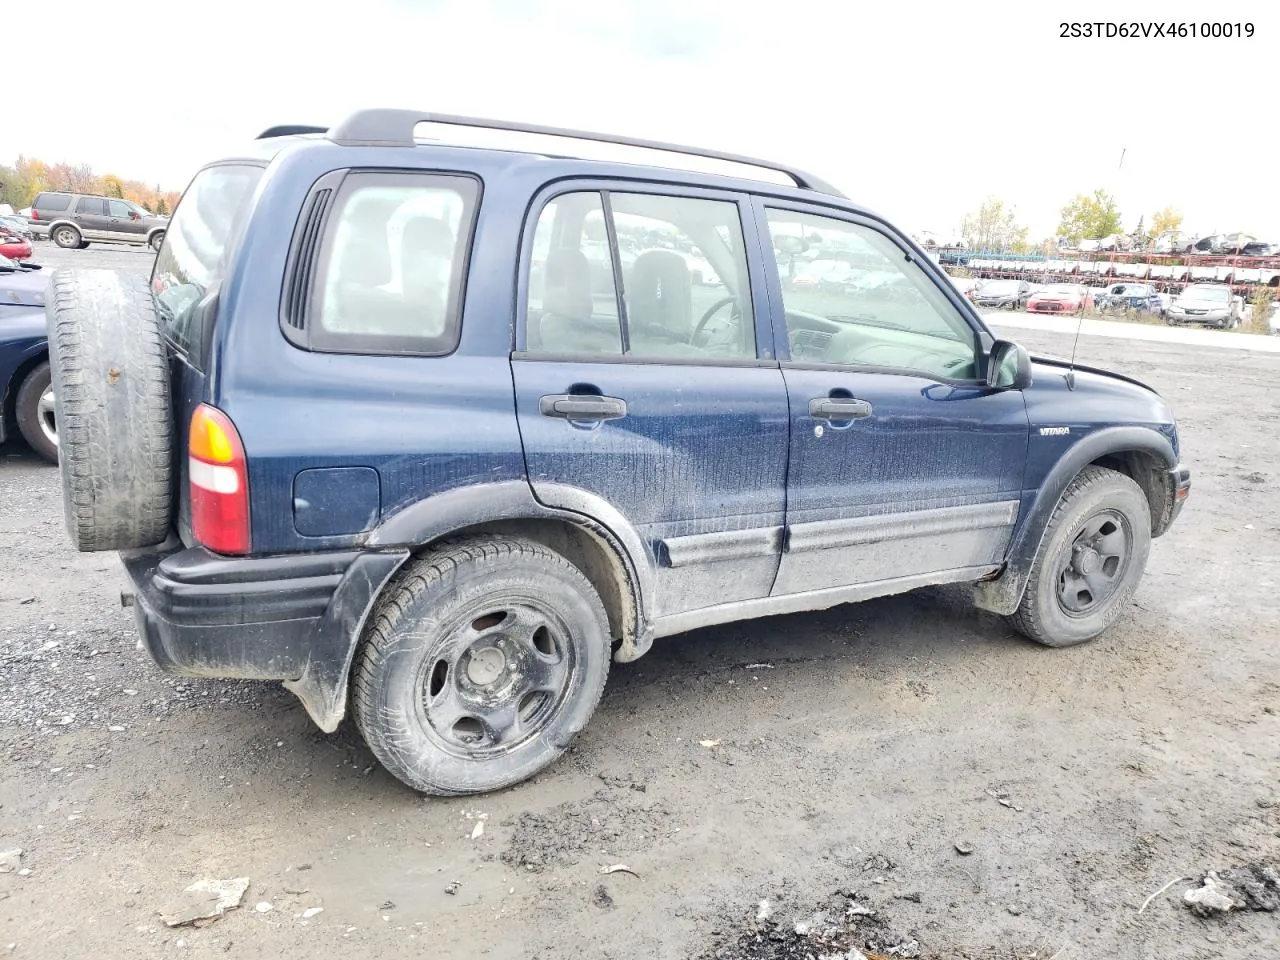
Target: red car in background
1060, 298
14, 246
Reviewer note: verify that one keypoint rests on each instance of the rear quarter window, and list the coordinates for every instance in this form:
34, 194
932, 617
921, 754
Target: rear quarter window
53, 202
192, 261
390, 270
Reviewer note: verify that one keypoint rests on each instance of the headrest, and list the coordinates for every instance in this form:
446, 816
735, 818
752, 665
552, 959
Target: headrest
567, 284
661, 292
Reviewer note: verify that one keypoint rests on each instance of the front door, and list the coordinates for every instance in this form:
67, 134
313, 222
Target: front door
639, 384
905, 468
124, 222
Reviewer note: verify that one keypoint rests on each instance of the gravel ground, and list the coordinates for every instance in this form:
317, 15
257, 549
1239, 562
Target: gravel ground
856, 753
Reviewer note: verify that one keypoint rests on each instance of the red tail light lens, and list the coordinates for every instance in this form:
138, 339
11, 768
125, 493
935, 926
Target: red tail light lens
219, 482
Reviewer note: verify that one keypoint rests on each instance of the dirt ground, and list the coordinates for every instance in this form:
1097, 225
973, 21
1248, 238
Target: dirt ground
854, 753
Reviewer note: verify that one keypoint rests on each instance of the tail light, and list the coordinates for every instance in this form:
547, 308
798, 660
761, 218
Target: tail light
35, 214
219, 482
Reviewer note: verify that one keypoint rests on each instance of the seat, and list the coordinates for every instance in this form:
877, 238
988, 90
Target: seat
426, 272
566, 323
361, 270
660, 302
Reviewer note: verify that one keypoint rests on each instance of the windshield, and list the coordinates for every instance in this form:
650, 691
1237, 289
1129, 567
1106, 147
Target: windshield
1198, 292
191, 260
1000, 286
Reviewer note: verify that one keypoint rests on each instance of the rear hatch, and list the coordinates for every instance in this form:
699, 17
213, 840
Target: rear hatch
186, 280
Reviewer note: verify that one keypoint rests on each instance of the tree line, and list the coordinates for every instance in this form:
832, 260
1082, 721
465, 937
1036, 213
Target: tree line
22, 180
994, 226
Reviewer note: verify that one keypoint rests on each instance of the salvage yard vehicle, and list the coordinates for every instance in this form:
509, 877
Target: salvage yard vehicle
355, 450
1131, 297
1002, 294
1208, 304
1060, 298
26, 392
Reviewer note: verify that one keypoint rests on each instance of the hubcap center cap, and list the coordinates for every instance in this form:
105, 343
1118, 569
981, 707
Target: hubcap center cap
486, 665
1088, 561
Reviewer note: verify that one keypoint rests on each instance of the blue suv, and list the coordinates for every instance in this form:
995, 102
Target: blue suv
439, 431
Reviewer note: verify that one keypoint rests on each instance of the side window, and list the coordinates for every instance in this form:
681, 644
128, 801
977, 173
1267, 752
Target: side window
392, 265
91, 206
640, 275
852, 297
119, 209
52, 202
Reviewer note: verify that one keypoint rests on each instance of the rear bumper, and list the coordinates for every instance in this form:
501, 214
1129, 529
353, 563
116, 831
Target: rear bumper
295, 618
200, 614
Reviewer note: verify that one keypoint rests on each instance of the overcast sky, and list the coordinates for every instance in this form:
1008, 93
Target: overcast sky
917, 112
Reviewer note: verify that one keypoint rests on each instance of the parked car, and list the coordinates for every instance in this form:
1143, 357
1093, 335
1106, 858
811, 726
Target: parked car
1172, 241
1060, 298
1233, 243
18, 225
1136, 297
1260, 248
1209, 244
966, 285
325, 480
1002, 294
26, 393
1208, 304
13, 245
75, 219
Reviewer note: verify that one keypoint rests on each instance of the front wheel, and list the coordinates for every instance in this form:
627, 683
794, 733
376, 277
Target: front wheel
34, 407
156, 241
480, 665
1093, 555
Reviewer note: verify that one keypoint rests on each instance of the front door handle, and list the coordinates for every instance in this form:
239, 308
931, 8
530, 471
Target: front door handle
832, 408
582, 406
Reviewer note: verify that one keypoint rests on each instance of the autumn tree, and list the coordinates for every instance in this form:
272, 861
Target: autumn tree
112, 186
1089, 217
993, 227
1163, 221
21, 181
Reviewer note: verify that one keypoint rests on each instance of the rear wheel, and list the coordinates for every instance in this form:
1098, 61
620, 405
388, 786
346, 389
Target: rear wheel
66, 236
35, 411
1093, 555
480, 665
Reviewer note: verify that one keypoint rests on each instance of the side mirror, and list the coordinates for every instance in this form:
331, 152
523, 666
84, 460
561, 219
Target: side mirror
1008, 366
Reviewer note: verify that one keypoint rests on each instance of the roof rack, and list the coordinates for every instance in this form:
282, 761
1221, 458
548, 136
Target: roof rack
289, 130
395, 128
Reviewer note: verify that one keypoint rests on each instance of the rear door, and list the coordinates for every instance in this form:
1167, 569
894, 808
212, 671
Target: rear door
657, 396
905, 468
90, 215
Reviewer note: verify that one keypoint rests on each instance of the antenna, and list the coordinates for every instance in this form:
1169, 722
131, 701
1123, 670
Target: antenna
1071, 367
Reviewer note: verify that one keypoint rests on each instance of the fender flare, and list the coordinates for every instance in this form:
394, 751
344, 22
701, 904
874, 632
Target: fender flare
1003, 594
469, 506
322, 688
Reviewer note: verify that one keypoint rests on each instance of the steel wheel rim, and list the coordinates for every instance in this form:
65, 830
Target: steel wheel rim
1094, 565
46, 413
499, 678
63, 238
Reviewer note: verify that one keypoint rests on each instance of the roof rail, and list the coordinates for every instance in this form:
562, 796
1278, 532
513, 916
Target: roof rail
395, 128
289, 130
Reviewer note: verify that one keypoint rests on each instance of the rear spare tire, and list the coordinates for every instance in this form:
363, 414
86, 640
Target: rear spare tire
111, 389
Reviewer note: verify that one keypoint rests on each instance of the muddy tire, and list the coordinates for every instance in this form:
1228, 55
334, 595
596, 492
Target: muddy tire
32, 407
1093, 555
111, 389
483, 660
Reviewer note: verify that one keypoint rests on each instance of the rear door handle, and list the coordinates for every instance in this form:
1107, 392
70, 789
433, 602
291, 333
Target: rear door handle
829, 408
582, 406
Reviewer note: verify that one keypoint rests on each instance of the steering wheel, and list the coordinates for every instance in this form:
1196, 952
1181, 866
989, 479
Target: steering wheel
711, 312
